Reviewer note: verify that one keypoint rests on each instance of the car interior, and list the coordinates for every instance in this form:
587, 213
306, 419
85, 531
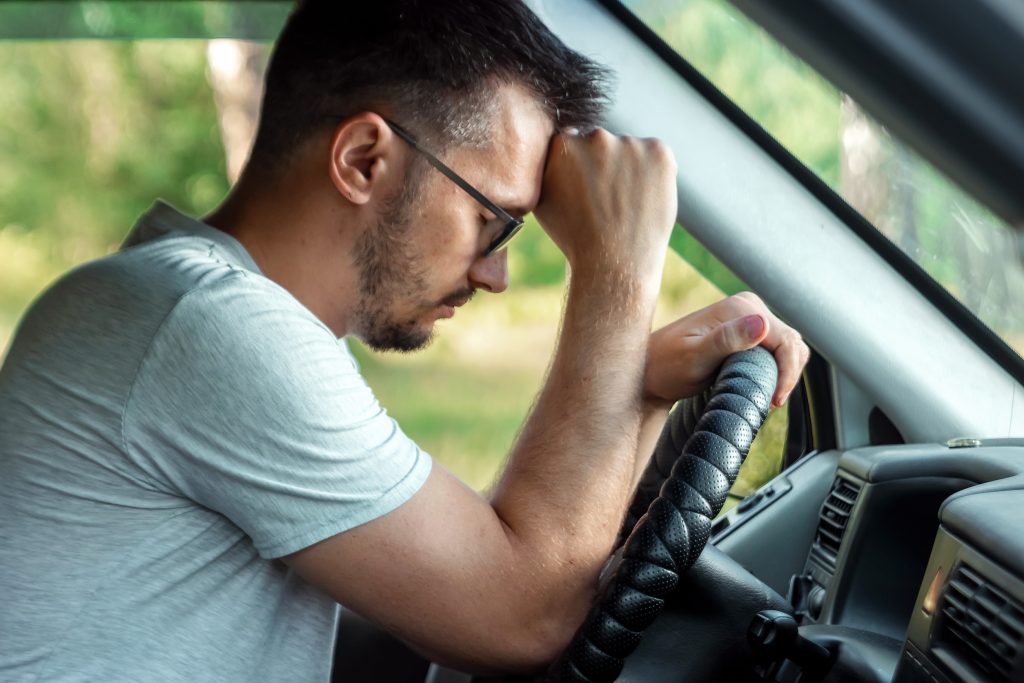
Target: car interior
896, 538
890, 546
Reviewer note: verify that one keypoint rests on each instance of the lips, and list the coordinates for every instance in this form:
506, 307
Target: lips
455, 300
458, 302
458, 299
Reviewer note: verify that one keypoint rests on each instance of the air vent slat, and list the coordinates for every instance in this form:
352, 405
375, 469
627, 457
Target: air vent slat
847, 495
1014, 620
959, 600
984, 601
837, 508
833, 518
982, 624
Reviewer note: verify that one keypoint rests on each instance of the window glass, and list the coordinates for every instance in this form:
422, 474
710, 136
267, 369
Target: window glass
95, 130
49, 19
969, 251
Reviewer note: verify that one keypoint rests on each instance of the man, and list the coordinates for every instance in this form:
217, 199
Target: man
192, 472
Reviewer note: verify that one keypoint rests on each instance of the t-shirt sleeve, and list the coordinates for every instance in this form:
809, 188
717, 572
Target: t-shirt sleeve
248, 405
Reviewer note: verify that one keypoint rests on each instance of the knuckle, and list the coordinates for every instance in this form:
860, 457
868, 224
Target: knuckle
659, 152
660, 149
746, 302
749, 297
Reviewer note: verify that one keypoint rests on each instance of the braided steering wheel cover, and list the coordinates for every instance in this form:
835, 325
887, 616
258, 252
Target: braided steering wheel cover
707, 452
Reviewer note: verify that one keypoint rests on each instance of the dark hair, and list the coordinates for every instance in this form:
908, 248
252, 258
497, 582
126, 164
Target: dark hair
433, 65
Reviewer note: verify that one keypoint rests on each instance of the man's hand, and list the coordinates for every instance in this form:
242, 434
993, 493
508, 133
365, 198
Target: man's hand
683, 356
609, 203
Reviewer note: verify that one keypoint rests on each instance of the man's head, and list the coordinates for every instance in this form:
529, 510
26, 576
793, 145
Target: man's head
482, 84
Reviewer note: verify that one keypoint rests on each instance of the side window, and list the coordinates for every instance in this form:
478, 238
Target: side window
970, 252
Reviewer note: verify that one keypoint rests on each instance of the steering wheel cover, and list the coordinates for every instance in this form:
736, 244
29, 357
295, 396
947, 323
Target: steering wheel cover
706, 453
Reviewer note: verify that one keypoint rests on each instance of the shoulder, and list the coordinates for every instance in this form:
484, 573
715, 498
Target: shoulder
242, 340
243, 316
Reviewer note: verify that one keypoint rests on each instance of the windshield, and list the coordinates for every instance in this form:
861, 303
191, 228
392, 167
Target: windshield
974, 255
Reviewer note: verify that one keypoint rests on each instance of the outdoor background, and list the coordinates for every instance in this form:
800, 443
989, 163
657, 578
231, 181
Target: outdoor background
92, 131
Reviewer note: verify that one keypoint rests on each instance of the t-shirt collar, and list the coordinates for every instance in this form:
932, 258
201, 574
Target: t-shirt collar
163, 219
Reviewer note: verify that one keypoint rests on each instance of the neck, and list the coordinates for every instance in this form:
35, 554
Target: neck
298, 238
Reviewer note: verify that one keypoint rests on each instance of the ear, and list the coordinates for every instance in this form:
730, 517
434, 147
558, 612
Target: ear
363, 150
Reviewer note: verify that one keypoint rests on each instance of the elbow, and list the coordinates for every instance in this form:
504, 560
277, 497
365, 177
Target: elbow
543, 643
544, 630
525, 646
535, 643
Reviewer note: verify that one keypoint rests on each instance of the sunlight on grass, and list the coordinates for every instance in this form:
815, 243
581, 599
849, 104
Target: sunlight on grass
28, 264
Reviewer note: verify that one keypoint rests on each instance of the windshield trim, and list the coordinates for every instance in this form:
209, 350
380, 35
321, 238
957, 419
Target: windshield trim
972, 326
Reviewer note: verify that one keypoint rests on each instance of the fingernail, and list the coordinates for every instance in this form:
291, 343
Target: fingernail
753, 326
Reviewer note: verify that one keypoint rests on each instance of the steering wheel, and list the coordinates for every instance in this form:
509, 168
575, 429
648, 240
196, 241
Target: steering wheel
693, 467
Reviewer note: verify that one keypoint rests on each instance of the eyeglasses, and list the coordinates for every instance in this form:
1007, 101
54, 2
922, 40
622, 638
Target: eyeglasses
511, 226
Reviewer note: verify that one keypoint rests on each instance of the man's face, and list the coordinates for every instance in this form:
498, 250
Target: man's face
424, 256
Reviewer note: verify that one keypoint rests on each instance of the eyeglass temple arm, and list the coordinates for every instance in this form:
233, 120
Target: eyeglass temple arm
454, 177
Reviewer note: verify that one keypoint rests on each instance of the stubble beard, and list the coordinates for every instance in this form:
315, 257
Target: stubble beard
388, 273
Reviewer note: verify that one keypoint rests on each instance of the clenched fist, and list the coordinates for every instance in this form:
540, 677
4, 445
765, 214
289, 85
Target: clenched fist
609, 203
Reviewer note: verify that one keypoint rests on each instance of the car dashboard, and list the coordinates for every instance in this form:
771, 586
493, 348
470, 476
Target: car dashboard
916, 567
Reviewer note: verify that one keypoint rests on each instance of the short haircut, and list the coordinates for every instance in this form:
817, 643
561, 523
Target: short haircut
433, 65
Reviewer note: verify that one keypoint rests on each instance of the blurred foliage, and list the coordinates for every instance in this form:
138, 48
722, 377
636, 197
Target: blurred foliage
49, 19
533, 259
687, 246
90, 134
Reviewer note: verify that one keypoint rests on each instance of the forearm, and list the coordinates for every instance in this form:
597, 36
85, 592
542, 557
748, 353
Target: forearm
655, 414
570, 474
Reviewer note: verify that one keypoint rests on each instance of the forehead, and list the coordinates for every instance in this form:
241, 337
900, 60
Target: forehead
509, 169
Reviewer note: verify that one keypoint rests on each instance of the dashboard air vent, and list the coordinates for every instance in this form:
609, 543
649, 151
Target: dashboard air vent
983, 625
835, 513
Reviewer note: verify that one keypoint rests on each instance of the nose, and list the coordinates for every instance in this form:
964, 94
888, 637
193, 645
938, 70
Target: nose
490, 272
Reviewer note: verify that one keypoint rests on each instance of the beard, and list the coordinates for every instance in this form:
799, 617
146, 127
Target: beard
389, 272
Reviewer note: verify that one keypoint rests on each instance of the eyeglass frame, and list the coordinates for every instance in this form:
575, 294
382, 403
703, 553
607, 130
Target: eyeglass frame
512, 224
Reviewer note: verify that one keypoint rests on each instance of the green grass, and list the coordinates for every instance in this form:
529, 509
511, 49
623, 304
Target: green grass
465, 417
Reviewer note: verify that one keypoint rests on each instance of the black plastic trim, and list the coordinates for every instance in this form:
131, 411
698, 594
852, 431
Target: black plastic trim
987, 340
799, 434
819, 406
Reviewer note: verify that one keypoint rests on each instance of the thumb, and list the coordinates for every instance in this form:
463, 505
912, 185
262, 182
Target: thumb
739, 334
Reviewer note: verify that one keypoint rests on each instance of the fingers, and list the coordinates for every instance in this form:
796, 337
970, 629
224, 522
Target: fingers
785, 343
739, 334
609, 202
683, 356
791, 355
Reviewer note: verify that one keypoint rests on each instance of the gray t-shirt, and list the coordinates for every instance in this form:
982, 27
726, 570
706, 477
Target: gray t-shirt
171, 421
